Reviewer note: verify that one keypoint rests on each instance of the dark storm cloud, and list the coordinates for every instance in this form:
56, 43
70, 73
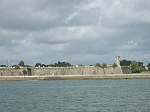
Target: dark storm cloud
77, 31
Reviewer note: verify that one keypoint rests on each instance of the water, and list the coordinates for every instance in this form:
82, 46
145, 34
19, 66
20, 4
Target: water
75, 96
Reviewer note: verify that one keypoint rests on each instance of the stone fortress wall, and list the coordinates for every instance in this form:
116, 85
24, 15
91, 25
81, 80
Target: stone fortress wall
79, 70
7, 71
83, 70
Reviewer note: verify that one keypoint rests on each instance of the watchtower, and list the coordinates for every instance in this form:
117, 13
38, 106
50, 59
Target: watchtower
118, 60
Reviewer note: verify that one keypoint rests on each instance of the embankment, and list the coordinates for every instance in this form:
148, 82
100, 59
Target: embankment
75, 77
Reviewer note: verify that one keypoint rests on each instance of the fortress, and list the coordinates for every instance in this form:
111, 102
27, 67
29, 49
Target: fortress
83, 70
56, 71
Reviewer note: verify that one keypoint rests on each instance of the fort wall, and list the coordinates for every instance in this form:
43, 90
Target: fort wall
91, 70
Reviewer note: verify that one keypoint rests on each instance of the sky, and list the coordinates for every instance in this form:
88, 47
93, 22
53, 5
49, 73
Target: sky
75, 31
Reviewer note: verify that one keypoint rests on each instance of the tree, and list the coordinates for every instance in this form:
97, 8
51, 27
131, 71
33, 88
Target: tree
134, 67
148, 66
97, 65
21, 63
58, 64
104, 65
43, 65
125, 62
38, 64
17, 67
114, 65
2, 65
28, 65
62, 64
137, 67
140, 64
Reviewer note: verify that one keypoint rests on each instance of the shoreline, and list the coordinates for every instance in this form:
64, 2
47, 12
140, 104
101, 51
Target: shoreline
75, 77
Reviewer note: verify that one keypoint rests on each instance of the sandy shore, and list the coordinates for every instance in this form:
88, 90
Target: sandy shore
75, 77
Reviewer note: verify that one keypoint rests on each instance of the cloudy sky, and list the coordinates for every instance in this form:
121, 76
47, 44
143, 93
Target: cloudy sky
76, 31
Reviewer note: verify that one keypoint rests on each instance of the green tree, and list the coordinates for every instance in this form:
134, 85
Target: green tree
21, 63
97, 65
62, 64
38, 64
43, 65
125, 62
28, 65
137, 67
103, 66
134, 67
148, 66
114, 65
17, 67
140, 64
2, 65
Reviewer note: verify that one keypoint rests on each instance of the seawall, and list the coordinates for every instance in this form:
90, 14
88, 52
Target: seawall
75, 77
68, 73
63, 71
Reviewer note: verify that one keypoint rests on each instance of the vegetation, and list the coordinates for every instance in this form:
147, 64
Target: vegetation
21, 63
136, 67
16, 66
59, 64
104, 65
2, 65
40, 65
148, 66
97, 65
114, 65
125, 62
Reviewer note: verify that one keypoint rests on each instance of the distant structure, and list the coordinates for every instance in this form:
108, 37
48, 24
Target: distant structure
118, 60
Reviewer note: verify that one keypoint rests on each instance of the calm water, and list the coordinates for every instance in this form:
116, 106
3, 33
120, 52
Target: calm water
75, 96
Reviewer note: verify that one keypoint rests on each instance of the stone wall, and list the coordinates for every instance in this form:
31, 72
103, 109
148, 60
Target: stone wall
63, 71
126, 70
5, 71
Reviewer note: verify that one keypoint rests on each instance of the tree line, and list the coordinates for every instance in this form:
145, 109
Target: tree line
58, 64
136, 67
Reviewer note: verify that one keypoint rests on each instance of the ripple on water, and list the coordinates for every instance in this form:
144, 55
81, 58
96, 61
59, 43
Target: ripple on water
75, 96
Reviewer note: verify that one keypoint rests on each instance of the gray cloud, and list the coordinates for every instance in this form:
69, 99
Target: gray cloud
81, 32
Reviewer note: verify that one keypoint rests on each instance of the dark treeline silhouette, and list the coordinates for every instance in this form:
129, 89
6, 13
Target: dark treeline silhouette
58, 64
